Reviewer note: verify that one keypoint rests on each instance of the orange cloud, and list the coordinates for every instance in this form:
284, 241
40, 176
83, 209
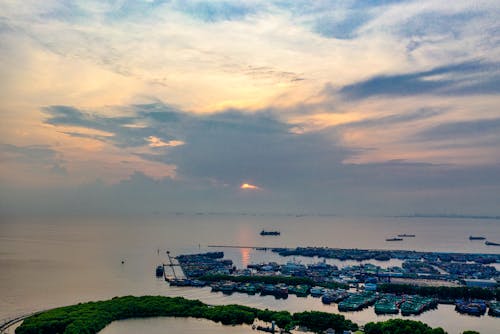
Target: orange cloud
157, 142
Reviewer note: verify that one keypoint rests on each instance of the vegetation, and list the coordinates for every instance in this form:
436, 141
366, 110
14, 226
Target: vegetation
400, 326
89, 318
270, 280
442, 292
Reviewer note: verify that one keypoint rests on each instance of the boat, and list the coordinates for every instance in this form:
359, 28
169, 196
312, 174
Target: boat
388, 304
268, 289
159, 271
471, 237
227, 288
264, 232
180, 282
357, 301
281, 291
317, 291
494, 309
334, 296
490, 243
406, 235
198, 283
248, 288
394, 239
475, 307
414, 305
301, 290
328, 298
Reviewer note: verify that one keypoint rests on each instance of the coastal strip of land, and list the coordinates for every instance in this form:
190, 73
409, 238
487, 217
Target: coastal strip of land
92, 317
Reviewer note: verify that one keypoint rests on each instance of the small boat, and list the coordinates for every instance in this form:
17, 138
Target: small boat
317, 291
490, 243
394, 239
268, 289
159, 271
406, 235
227, 288
471, 237
264, 232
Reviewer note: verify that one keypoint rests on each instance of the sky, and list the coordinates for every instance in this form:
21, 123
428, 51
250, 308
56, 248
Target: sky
261, 106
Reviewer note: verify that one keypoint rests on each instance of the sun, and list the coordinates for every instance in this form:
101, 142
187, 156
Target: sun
249, 186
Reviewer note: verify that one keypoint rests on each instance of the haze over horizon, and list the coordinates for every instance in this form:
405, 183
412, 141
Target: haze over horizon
346, 107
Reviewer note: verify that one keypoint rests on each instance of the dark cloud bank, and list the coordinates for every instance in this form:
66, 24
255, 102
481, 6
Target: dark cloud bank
467, 78
298, 173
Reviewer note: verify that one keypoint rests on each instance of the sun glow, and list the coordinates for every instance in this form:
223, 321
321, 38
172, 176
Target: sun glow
249, 186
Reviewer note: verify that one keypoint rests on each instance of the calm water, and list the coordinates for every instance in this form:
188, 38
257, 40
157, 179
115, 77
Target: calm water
52, 262
174, 325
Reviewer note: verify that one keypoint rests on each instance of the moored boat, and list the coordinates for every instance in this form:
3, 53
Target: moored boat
299, 290
317, 291
159, 271
474, 307
494, 309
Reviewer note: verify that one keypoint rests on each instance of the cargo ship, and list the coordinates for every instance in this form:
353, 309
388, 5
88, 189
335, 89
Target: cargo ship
264, 232
394, 239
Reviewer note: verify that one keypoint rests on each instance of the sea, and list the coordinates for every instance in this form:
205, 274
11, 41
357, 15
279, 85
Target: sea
47, 262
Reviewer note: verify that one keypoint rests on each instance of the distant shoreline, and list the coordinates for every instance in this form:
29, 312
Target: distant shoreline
447, 216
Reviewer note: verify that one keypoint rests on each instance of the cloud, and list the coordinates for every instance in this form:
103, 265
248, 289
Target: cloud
215, 11
463, 130
439, 23
227, 146
394, 119
31, 154
59, 170
124, 131
345, 28
157, 142
242, 82
38, 159
472, 77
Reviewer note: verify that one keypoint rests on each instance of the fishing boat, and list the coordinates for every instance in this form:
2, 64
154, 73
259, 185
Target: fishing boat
490, 243
317, 291
471, 237
406, 235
